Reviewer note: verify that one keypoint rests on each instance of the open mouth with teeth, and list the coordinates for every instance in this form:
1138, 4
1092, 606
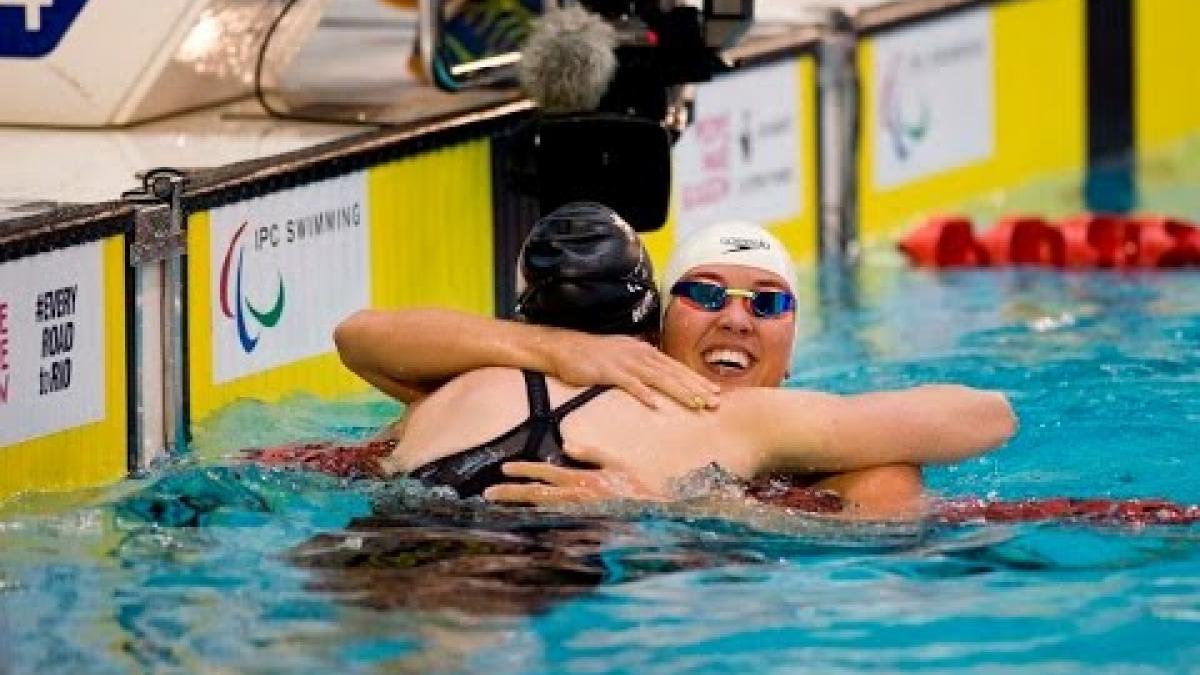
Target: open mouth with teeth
728, 362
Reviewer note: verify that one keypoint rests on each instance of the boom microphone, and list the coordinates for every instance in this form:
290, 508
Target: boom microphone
569, 61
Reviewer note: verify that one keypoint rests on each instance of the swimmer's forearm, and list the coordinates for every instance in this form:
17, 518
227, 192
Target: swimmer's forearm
418, 349
933, 424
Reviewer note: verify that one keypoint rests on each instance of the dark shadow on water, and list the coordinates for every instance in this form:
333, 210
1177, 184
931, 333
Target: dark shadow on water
488, 561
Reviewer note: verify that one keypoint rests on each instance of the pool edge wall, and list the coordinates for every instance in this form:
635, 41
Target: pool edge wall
925, 146
67, 358
423, 237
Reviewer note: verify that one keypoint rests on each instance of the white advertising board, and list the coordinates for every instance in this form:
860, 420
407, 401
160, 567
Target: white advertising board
285, 269
933, 87
51, 343
740, 158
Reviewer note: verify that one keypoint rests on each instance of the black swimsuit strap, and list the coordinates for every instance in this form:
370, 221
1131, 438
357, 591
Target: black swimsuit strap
579, 399
538, 395
539, 398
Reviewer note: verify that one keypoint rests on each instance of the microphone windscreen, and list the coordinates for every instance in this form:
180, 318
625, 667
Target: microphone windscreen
568, 60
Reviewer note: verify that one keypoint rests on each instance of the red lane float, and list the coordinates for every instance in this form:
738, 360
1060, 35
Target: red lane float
945, 241
1091, 240
1095, 240
1135, 512
351, 460
1163, 241
1024, 240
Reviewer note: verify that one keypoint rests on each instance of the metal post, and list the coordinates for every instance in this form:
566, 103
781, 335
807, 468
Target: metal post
839, 100
156, 254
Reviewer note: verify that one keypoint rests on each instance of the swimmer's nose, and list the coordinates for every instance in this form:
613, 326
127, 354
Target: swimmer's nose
736, 317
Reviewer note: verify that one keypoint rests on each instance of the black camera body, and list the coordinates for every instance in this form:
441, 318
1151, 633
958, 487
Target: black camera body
619, 154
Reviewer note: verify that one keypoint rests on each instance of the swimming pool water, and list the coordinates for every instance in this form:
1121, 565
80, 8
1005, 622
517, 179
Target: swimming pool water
215, 566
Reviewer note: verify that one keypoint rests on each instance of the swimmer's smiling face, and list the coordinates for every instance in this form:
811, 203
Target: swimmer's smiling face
732, 346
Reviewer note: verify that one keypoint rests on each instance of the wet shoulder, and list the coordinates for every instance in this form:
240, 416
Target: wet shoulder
481, 383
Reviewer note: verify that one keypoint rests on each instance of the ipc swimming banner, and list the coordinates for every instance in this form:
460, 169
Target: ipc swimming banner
285, 269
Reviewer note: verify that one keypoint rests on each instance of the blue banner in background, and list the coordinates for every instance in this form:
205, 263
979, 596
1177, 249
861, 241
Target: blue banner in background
33, 28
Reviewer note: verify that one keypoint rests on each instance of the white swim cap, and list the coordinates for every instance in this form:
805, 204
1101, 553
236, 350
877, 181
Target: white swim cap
729, 243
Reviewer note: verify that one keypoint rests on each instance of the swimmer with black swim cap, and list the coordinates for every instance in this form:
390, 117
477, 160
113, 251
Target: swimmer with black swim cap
584, 268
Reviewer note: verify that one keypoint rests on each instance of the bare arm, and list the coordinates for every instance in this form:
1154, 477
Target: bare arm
890, 492
408, 353
931, 424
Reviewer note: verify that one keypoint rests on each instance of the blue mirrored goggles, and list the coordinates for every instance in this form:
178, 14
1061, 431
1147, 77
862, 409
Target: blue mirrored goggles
713, 297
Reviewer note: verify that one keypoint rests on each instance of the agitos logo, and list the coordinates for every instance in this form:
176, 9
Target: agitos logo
234, 303
904, 126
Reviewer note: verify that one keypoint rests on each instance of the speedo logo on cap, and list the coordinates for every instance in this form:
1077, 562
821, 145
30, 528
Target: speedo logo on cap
742, 244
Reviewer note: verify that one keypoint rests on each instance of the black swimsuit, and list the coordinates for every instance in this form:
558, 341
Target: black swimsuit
537, 439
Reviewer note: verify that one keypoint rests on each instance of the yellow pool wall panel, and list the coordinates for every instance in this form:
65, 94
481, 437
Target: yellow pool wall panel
799, 231
1165, 73
92, 454
429, 242
1039, 106
432, 235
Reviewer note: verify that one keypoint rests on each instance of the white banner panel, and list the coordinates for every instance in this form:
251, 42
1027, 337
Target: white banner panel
286, 268
933, 86
51, 343
740, 158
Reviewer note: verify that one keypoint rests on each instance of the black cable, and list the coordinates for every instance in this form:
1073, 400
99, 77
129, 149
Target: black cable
261, 95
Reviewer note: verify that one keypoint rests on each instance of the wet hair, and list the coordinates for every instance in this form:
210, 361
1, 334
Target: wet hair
586, 269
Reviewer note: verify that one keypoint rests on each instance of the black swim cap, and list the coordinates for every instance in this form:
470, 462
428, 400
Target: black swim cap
586, 269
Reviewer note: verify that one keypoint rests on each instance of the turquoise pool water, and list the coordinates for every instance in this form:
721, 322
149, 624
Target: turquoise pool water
214, 566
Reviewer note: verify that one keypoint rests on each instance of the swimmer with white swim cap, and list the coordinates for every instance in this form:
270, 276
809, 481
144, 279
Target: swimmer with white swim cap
731, 314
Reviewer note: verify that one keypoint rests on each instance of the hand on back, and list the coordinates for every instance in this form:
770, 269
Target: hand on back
631, 364
618, 475
563, 485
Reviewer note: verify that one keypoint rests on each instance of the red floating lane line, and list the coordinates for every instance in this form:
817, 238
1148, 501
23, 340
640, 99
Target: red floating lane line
944, 241
1087, 240
1097, 511
356, 460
